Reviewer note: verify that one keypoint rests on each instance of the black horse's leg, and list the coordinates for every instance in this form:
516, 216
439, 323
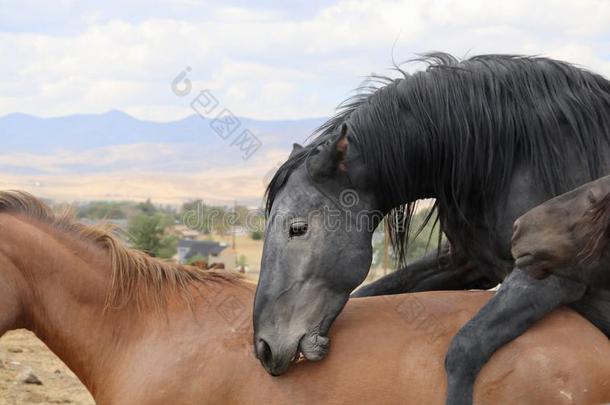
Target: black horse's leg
520, 302
447, 271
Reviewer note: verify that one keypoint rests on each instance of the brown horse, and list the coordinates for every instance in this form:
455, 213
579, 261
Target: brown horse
559, 234
136, 330
569, 235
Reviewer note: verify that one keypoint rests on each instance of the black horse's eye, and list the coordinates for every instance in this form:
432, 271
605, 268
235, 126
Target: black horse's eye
298, 229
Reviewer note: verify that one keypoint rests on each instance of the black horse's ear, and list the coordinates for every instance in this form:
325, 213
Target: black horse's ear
331, 157
296, 148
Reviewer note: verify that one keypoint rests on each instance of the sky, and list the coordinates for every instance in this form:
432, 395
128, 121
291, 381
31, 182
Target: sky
261, 59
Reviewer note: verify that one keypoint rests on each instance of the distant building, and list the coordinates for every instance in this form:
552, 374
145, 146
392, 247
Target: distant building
239, 230
187, 249
184, 232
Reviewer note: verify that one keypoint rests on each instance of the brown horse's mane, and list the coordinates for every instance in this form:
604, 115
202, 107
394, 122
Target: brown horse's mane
136, 277
596, 221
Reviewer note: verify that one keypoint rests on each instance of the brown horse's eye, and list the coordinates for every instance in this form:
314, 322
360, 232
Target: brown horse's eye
298, 229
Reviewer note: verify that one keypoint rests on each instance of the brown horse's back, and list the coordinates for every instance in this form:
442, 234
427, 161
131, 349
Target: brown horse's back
391, 350
563, 359
385, 350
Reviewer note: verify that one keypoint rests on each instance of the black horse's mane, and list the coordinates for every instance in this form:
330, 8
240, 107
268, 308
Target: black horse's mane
458, 129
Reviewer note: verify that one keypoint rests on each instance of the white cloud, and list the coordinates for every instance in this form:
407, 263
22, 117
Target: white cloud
267, 63
258, 61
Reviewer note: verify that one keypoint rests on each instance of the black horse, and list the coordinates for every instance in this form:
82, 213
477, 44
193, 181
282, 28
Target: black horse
489, 138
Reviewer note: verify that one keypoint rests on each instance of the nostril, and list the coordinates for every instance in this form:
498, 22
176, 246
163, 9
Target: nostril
263, 351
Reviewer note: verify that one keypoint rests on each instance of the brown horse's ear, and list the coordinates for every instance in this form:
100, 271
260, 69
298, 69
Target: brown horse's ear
597, 227
331, 157
594, 195
605, 202
296, 148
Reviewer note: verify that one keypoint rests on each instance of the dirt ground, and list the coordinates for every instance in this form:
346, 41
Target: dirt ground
251, 249
22, 354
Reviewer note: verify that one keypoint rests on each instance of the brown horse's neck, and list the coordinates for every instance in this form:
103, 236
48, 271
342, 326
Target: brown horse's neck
60, 284
55, 280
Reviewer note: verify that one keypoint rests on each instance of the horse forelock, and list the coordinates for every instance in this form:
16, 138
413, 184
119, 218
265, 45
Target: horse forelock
462, 126
136, 278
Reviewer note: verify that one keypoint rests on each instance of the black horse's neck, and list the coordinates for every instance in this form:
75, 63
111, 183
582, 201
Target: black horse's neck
404, 166
457, 131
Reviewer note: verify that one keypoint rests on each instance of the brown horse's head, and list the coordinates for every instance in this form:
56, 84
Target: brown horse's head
567, 231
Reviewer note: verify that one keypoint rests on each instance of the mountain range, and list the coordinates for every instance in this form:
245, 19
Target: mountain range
116, 156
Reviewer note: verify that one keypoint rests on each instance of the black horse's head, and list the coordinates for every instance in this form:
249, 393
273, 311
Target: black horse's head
321, 216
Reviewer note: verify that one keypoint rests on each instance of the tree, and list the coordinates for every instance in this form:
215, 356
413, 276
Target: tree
147, 233
103, 210
168, 247
198, 259
147, 207
203, 218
